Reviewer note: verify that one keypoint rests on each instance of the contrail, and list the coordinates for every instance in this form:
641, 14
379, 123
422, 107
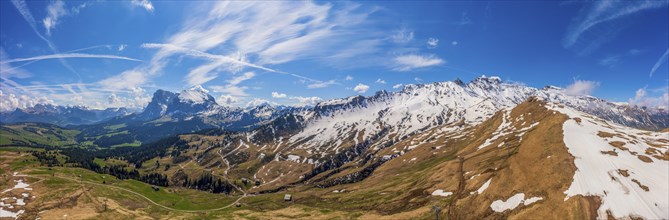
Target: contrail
22, 7
69, 55
197, 53
659, 62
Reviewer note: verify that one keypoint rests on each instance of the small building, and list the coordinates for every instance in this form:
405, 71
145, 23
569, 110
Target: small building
287, 197
155, 188
238, 204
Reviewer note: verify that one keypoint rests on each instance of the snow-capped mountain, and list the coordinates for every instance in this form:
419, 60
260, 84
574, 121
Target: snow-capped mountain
357, 129
419, 107
495, 150
197, 104
61, 115
180, 105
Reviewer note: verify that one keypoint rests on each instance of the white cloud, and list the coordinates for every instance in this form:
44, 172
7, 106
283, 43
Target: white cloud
581, 87
55, 10
304, 101
432, 43
454, 43
76, 9
10, 102
663, 59
417, 79
321, 84
136, 98
122, 47
126, 80
361, 88
146, 4
228, 100
241, 78
232, 87
113, 99
397, 86
643, 99
278, 95
380, 81
348, 78
413, 61
402, 36
257, 102
602, 12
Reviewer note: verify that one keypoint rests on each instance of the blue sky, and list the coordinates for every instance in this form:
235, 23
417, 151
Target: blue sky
117, 53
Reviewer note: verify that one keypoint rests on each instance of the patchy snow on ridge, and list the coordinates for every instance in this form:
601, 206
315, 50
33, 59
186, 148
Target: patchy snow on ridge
441, 192
628, 186
509, 204
484, 186
512, 202
503, 129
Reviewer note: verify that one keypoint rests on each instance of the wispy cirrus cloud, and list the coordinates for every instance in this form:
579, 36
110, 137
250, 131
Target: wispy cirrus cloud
613, 60
414, 61
663, 59
402, 35
598, 13
262, 34
321, 84
205, 73
232, 87
55, 10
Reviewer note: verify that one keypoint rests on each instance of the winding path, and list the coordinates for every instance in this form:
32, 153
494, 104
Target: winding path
153, 202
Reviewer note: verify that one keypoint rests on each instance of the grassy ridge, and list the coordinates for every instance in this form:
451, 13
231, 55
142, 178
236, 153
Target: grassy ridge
34, 134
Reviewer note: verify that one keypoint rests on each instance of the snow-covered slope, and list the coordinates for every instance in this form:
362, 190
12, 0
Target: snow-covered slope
419, 107
618, 164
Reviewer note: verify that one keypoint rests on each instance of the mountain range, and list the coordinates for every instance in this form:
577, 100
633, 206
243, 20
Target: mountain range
490, 149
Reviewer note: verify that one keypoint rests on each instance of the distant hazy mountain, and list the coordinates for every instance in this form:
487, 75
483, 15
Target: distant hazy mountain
61, 115
188, 111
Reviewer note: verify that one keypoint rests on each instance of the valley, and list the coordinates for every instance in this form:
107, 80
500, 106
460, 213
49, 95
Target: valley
291, 110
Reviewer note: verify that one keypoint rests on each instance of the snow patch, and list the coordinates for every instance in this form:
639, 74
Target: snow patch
440, 192
513, 202
484, 187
